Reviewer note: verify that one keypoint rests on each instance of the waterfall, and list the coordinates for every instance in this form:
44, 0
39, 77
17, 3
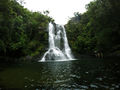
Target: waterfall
59, 48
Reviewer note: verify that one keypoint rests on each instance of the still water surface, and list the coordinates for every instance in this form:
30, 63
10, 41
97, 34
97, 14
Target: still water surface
83, 74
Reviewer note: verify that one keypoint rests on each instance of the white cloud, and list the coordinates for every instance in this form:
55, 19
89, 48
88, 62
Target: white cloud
60, 10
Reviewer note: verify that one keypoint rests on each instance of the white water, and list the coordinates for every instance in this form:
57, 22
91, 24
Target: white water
58, 44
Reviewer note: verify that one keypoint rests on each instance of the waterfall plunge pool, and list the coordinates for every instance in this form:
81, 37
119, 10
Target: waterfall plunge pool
87, 73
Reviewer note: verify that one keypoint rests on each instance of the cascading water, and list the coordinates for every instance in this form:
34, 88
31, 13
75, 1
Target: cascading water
58, 44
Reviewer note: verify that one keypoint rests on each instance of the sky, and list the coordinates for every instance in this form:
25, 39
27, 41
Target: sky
60, 10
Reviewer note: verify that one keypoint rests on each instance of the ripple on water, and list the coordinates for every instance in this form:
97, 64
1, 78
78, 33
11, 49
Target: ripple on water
75, 76
93, 86
62, 81
104, 86
83, 86
100, 79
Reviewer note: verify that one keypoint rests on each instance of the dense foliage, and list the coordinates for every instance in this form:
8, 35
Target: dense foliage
22, 32
96, 30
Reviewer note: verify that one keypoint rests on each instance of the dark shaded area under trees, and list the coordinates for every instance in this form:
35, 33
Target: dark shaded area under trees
97, 30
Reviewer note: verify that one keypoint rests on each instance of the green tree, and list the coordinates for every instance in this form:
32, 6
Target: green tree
97, 29
22, 32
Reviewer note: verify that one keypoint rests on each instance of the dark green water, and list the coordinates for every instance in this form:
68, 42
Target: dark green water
65, 75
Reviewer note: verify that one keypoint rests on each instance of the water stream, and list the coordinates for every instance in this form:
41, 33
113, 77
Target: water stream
59, 48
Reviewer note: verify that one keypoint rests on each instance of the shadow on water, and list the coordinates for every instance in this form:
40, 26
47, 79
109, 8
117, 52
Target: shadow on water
75, 74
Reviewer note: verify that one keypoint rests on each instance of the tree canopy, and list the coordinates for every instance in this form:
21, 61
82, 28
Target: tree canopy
98, 29
22, 32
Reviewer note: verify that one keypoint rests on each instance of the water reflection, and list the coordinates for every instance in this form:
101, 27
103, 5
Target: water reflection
78, 74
